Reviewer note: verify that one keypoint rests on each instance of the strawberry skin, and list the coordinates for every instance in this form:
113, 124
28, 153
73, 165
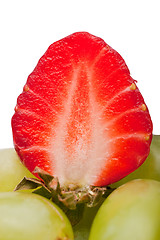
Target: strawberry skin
81, 116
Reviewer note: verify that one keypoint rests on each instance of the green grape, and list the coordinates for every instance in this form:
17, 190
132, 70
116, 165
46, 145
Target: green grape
28, 216
12, 170
150, 169
131, 212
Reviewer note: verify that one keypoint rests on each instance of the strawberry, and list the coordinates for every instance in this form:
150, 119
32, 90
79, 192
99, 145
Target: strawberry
81, 116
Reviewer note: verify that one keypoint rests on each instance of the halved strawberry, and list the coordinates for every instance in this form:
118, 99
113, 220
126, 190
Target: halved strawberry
81, 117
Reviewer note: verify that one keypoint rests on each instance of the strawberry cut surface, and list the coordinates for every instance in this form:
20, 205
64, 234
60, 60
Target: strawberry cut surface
81, 116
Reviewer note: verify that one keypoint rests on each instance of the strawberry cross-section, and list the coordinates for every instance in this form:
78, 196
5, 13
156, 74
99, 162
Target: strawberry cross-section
81, 116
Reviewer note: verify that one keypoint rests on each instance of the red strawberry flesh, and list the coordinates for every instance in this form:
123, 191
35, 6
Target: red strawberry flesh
81, 116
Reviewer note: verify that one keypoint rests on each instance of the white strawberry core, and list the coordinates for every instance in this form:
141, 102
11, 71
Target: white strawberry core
79, 147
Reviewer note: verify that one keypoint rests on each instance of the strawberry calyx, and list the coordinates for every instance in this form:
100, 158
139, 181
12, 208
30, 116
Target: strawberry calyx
71, 201
69, 197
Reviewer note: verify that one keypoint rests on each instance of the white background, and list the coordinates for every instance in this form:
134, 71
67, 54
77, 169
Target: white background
27, 28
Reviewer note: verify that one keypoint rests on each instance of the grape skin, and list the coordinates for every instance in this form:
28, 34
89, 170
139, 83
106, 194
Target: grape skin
28, 216
130, 212
12, 171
